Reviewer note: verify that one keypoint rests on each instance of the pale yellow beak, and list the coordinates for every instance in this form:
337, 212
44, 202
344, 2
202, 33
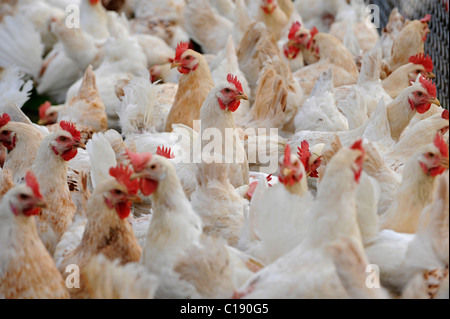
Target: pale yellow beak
430, 75
81, 145
41, 204
444, 162
136, 176
242, 96
134, 199
286, 171
176, 65
435, 101
291, 43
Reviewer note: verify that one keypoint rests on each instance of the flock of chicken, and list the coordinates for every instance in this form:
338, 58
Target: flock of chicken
102, 198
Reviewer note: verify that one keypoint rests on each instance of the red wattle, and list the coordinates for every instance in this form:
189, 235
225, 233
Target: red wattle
148, 186
32, 211
435, 171
184, 70
422, 108
69, 154
123, 209
233, 106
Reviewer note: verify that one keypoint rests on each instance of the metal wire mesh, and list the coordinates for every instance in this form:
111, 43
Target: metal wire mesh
437, 44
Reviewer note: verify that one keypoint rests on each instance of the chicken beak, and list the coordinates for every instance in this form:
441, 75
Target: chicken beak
291, 43
286, 171
270, 7
444, 162
430, 75
80, 145
134, 198
242, 96
176, 65
136, 175
42, 122
434, 101
40, 203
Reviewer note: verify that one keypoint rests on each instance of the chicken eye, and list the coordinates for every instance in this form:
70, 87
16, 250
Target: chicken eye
153, 166
188, 57
417, 71
302, 35
23, 196
5, 133
430, 154
63, 138
117, 192
419, 93
227, 90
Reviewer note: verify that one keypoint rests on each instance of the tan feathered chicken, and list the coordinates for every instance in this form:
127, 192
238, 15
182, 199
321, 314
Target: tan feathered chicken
416, 98
27, 271
195, 84
273, 17
410, 41
86, 110
22, 142
50, 168
401, 78
108, 231
320, 52
277, 99
416, 189
256, 46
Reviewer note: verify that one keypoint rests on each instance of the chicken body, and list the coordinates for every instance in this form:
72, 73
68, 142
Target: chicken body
26, 143
27, 271
105, 233
296, 267
193, 89
51, 169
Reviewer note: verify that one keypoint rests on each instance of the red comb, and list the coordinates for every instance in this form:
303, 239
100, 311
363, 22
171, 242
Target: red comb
94, 1
358, 146
304, 153
428, 85
294, 28
426, 18
31, 181
122, 174
43, 108
70, 127
165, 151
439, 142
425, 61
235, 81
181, 48
138, 161
287, 155
4, 119
445, 115
312, 32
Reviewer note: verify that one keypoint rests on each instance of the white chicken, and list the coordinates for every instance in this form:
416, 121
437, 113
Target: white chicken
334, 212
